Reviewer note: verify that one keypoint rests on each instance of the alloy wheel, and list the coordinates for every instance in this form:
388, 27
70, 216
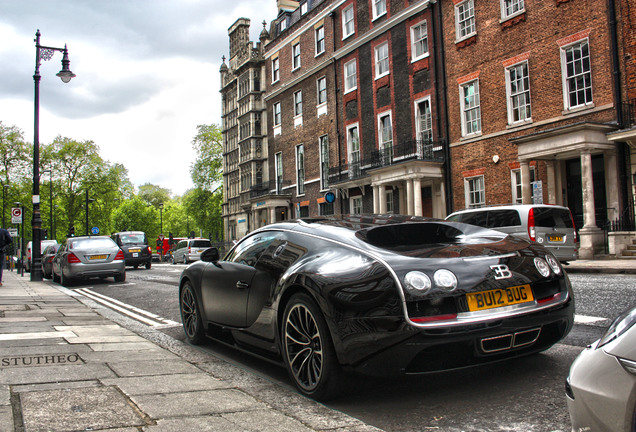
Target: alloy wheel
189, 313
304, 347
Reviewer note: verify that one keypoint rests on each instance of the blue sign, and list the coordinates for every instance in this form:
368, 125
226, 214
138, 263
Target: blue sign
94, 230
330, 197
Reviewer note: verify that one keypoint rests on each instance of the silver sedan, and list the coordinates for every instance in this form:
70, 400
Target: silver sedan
601, 386
88, 257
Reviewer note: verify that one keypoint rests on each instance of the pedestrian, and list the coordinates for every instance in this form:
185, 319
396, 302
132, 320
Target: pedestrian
5, 240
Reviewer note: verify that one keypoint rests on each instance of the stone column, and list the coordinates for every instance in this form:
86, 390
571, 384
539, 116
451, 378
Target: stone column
272, 214
409, 196
611, 186
402, 193
551, 182
376, 199
441, 211
382, 199
417, 197
590, 235
559, 172
526, 188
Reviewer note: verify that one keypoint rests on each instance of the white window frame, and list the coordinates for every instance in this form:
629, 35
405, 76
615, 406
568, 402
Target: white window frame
283, 24
475, 187
587, 75
320, 40
318, 90
300, 169
379, 8
356, 204
421, 132
323, 146
296, 56
350, 76
465, 25
471, 109
382, 63
517, 187
277, 114
353, 149
278, 168
423, 40
303, 8
348, 22
390, 205
298, 103
518, 94
512, 8
275, 69
382, 141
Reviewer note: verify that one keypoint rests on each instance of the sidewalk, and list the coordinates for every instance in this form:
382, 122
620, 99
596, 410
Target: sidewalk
609, 265
65, 367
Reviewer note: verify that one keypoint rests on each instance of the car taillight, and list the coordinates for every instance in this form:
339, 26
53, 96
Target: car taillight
532, 232
119, 256
149, 250
72, 259
573, 227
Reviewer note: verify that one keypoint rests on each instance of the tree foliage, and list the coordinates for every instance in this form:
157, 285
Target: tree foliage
207, 170
153, 194
15, 155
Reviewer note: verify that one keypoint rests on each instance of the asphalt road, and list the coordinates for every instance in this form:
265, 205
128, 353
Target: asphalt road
521, 395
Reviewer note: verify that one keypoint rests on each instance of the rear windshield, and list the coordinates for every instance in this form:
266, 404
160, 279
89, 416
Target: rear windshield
133, 238
401, 236
200, 243
552, 217
96, 242
489, 218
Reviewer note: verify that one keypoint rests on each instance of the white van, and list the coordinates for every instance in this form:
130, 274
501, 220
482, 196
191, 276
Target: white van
550, 225
190, 250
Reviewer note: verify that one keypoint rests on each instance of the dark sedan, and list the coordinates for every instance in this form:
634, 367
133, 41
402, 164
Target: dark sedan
47, 260
377, 294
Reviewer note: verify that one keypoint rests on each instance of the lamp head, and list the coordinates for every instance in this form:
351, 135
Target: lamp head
65, 74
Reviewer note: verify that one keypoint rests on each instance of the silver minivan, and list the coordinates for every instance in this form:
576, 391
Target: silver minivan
190, 250
549, 225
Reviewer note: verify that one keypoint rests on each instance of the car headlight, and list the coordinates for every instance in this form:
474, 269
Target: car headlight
619, 326
445, 279
554, 264
542, 267
418, 281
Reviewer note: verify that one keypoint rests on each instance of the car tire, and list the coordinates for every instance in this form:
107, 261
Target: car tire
56, 278
135, 266
172, 260
185, 260
64, 280
191, 315
45, 275
307, 349
148, 265
121, 277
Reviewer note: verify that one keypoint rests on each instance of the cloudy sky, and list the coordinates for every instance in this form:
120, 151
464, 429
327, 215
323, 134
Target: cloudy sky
147, 75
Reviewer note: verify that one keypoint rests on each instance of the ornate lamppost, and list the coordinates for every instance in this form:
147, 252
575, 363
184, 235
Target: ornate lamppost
41, 53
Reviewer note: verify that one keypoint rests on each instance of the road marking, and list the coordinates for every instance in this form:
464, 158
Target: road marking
145, 317
589, 320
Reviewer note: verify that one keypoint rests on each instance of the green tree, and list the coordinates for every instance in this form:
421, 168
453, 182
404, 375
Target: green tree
207, 170
15, 155
136, 215
204, 208
154, 194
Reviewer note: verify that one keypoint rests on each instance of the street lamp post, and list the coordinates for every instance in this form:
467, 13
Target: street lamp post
161, 218
41, 53
88, 201
21, 235
4, 199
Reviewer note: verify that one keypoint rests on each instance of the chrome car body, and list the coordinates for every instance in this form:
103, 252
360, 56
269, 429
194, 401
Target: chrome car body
601, 385
377, 294
88, 257
47, 260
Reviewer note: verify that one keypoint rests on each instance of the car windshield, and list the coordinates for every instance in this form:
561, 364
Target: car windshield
133, 238
552, 217
200, 243
95, 243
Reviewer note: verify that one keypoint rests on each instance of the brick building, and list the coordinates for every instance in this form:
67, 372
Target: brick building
420, 107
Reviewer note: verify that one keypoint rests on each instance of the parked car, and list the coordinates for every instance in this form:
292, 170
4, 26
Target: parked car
135, 246
88, 257
29, 251
47, 260
189, 250
601, 386
377, 294
550, 225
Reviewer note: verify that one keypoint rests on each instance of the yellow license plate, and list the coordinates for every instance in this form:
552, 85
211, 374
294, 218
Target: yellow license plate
499, 297
96, 257
134, 250
554, 238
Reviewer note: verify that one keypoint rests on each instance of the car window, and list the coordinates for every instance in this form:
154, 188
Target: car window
552, 217
132, 238
200, 243
96, 242
249, 250
502, 218
182, 244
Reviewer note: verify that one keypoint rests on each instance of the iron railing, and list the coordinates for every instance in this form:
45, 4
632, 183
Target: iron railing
629, 114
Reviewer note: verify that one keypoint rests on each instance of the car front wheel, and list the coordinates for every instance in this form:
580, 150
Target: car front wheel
121, 277
65, 281
307, 349
148, 265
190, 315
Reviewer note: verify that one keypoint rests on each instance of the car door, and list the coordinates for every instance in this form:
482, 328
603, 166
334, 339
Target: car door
226, 285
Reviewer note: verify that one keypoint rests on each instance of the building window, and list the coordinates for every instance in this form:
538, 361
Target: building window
277, 114
321, 85
300, 169
517, 186
475, 191
275, 70
279, 172
382, 60
326, 209
324, 162
577, 75
356, 205
389, 202
320, 40
353, 145
296, 56
348, 26
419, 41
283, 24
298, 103
471, 111
379, 8
350, 74
510, 8
518, 89
303, 211
303, 8
424, 121
385, 135
465, 19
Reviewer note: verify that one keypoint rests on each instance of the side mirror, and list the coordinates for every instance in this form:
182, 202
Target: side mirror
210, 255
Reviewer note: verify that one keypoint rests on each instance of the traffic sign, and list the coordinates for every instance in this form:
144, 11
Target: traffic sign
94, 230
161, 237
16, 215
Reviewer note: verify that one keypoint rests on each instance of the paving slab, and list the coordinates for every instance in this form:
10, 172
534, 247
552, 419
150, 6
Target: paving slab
118, 356
77, 410
55, 386
268, 421
47, 374
6, 418
125, 346
179, 383
154, 367
207, 424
